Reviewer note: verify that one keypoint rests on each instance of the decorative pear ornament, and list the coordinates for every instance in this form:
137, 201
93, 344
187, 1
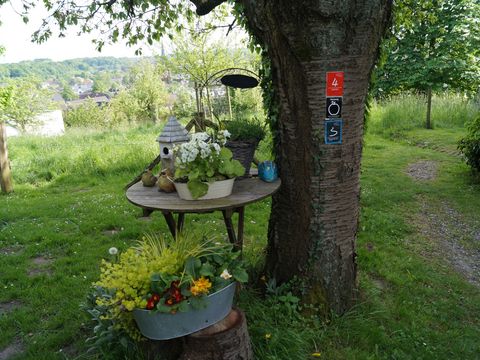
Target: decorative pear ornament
148, 179
165, 181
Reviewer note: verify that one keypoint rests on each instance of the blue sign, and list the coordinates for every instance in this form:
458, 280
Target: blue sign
333, 131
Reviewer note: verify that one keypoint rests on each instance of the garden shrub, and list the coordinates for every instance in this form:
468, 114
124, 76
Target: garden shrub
88, 115
470, 144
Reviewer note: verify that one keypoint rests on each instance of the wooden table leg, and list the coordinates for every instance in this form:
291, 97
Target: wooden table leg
227, 217
180, 221
146, 212
170, 222
241, 213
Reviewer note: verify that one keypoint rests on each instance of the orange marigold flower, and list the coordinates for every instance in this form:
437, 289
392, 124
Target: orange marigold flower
200, 286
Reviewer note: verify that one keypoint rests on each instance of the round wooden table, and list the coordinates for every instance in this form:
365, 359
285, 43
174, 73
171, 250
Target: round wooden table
245, 191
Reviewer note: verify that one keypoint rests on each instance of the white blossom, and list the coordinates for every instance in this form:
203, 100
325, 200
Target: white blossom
225, 275
113, 251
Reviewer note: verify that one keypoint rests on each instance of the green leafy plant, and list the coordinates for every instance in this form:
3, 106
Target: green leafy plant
204, 159
160, 275
470, 144
245, 130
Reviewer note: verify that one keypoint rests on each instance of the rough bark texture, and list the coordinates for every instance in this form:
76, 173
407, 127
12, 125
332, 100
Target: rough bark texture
314, 218
226, 340
5, 173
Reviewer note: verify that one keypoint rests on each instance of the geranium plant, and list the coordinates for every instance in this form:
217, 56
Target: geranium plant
163, 276
204, 159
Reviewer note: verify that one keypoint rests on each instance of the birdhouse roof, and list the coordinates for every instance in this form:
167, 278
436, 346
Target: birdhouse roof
173, 132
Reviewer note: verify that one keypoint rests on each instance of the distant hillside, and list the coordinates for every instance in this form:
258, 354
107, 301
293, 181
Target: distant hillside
86, 68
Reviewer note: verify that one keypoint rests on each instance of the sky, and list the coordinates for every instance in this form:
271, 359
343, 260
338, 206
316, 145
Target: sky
15, 36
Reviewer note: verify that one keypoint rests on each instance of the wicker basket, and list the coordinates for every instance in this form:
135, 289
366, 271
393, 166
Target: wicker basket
243, 151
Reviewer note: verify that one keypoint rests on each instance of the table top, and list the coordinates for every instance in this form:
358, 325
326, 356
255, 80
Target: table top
244, 192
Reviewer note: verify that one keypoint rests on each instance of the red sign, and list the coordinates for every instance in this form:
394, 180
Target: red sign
335, 83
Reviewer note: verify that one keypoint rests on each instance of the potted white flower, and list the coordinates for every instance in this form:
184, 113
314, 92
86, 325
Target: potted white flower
204, 168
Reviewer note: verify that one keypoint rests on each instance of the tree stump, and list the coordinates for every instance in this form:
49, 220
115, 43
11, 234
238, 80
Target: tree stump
226, 340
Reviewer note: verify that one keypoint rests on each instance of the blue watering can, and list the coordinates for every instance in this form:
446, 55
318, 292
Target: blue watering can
267, 171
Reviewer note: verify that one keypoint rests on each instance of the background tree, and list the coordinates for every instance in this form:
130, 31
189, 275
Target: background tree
314, 217
434, 45
20, 101
6, 184
28, 99
67, 92
147, 90
102, 82
197, 56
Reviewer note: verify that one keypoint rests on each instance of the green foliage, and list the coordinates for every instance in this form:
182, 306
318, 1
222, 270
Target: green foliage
102, 82
434, 44
89, 115
245, 130
23, 100
203, 160
146, 98
161, 275
68, 93
410, 295
67, 70
470, 144
401, 113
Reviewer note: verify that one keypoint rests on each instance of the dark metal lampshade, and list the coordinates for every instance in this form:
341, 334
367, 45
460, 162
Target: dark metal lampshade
205, 6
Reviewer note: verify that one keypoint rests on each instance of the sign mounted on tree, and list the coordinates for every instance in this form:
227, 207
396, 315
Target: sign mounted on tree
334, 107
333, 131
335, 83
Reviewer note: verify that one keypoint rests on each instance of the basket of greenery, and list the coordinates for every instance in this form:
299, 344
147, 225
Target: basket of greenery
244, 138
204, 168
163, 289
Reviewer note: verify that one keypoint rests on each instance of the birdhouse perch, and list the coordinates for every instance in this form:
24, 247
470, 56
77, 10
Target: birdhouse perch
172, 134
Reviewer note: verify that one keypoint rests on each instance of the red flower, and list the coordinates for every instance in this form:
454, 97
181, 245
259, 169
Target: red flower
150, 304
155, 298
174, 296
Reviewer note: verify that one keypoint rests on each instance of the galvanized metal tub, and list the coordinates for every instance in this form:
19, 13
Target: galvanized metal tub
161, 326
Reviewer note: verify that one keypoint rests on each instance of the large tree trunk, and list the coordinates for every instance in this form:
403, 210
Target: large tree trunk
314, 217
5, 174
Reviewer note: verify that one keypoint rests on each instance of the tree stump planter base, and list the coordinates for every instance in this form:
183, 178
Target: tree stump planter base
226, 340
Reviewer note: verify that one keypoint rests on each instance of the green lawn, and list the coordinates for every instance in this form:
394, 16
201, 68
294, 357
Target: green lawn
55, 229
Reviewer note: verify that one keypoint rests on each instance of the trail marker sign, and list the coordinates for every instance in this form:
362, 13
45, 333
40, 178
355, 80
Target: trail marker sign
334, 107
335, 83
333, 131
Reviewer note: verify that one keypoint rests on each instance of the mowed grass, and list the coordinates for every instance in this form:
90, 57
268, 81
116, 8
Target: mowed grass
69, 196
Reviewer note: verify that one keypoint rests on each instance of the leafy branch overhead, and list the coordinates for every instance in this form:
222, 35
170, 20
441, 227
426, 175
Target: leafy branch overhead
434, 44
132, 21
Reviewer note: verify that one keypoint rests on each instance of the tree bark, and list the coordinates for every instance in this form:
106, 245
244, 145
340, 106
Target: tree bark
5, 173
428, 123
226, 340
313, 226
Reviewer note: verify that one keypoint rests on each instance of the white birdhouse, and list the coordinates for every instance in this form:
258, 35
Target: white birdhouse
172, 134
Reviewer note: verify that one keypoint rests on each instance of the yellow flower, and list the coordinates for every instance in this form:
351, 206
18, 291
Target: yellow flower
268, 336
317, 354
201, 286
